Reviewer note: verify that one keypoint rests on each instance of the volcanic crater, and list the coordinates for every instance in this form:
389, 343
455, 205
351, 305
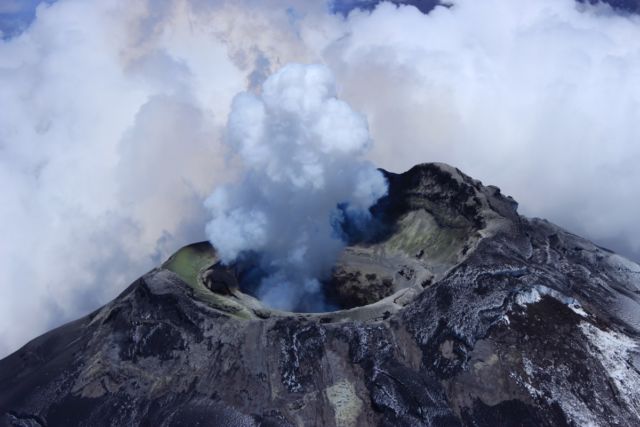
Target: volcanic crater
418, 237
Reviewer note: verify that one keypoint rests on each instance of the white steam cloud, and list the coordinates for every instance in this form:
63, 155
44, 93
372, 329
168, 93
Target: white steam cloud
301, 149
112, 114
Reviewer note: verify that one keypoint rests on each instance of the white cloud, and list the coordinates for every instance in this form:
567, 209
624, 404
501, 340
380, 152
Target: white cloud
112, 115
107, 150
541, 98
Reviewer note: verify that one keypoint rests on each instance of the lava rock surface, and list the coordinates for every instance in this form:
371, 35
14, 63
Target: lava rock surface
476, 316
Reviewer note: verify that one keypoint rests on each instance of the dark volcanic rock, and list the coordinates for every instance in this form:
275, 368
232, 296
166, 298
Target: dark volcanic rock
474, 316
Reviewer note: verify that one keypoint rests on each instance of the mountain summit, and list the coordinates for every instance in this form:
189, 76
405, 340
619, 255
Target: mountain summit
453, 310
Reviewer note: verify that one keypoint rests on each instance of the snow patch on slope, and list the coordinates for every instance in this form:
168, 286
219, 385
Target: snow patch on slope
627, 270
575, 408
617, 352
535, 294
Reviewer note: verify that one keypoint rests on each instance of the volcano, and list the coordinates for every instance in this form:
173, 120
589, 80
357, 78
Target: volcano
456, 311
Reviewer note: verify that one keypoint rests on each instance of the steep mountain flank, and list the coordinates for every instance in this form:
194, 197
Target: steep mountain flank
456, 311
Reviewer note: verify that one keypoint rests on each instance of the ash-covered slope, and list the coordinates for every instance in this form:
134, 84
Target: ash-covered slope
461, 312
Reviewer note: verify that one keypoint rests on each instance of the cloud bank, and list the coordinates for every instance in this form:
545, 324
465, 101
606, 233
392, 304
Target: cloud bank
107, 150
113, 116
540, 98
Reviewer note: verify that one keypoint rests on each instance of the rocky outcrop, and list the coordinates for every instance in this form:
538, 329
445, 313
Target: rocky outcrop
458, 312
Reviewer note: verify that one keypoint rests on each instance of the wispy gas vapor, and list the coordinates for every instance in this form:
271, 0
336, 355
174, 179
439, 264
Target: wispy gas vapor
302, 150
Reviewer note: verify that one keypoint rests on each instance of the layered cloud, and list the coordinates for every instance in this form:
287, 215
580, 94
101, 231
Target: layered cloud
113, 116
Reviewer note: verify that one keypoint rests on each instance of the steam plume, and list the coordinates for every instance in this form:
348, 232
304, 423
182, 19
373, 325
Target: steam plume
301, 148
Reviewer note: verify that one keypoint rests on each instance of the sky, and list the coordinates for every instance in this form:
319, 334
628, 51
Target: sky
114, 120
